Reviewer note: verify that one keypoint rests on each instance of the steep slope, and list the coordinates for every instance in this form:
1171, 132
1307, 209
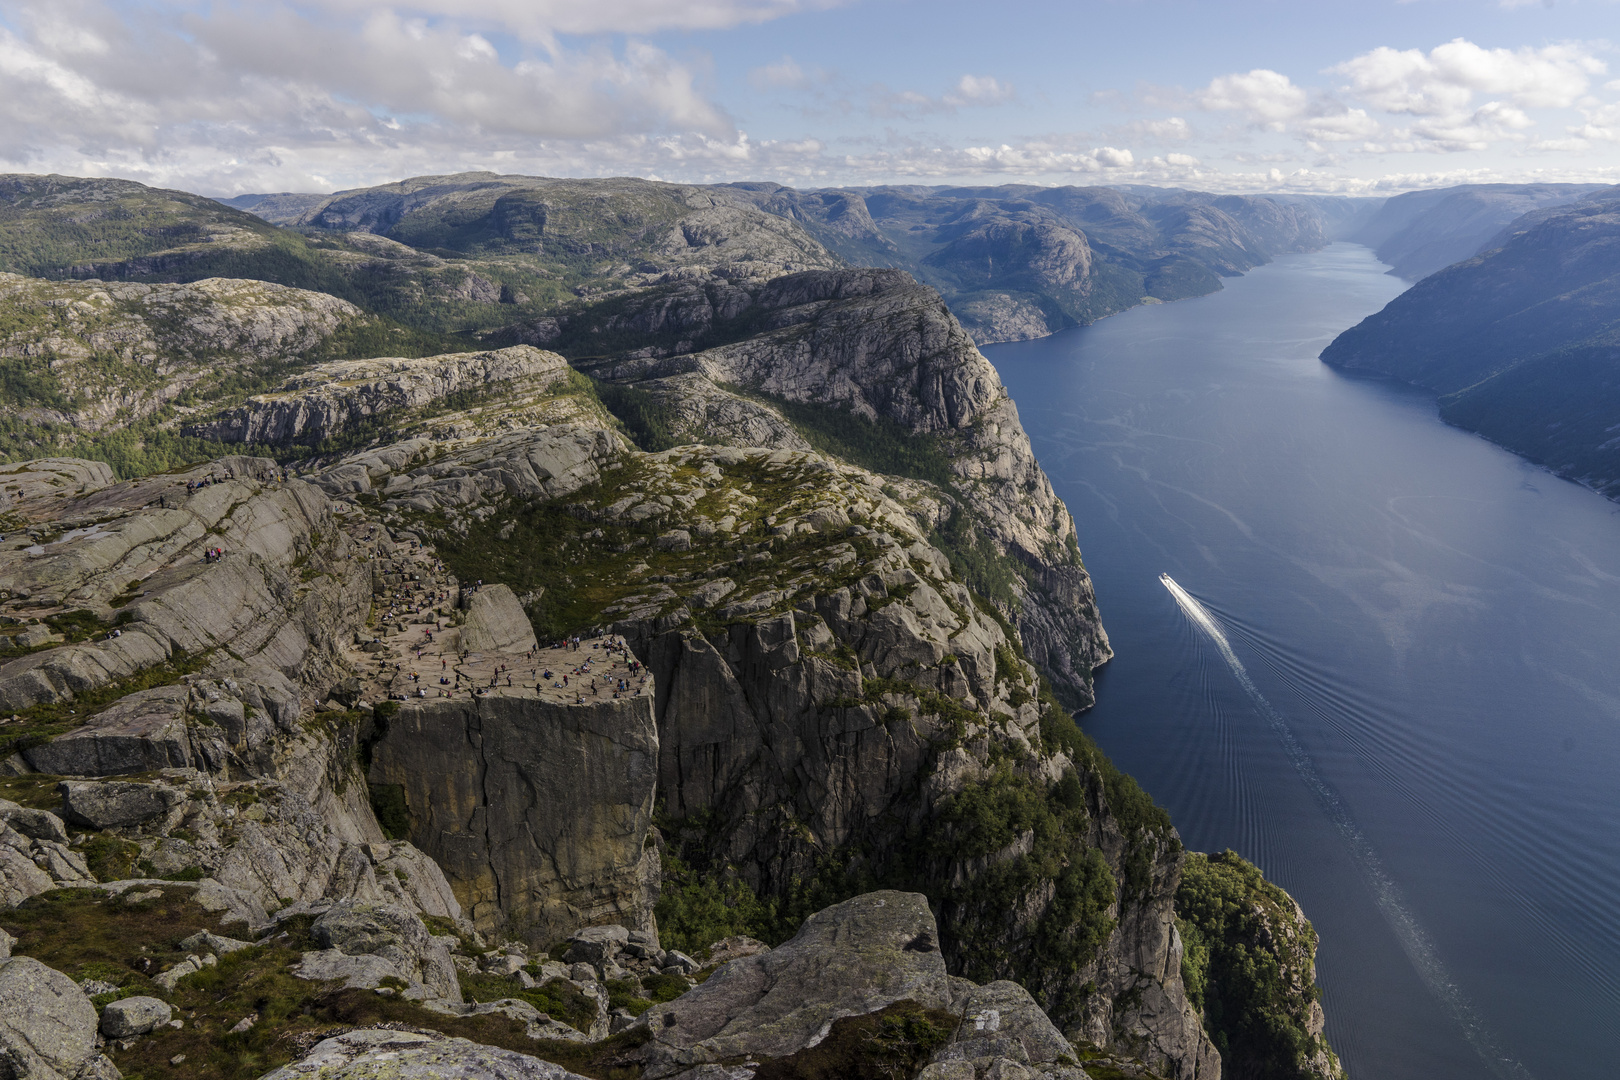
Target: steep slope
1421, 232
883, 374
1519, 342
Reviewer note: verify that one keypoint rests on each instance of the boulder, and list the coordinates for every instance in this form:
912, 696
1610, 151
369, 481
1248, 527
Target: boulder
19, 877
734, 947
116, 804
35, 824
134, 1016
138, 733
6, 943
496, 622
365, 943
540, 1025
674, 540
47, 1026
847, 960
169, 979
406, 1055
66, 866
596, 944
206, 941
1001, 1020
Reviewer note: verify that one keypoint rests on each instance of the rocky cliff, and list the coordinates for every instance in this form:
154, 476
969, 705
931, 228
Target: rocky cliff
753, 611
876, 350
87, 359
344, 401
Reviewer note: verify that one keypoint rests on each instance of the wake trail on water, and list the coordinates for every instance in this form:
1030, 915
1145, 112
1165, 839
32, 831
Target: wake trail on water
1415, 941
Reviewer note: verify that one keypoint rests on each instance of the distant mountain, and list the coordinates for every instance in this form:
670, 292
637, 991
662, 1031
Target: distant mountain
1522, 342
1013, 262
1018, 261
458, 254
1424, 231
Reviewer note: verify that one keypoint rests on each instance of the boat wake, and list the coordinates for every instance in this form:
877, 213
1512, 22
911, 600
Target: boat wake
1415, 941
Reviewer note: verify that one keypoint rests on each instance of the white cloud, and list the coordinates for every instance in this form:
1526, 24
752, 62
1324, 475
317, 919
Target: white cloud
102, 82
1271, 101
1172, 128
1267, 98
979, 90
1602, 125
1444, 81
1343, 126
970, 91
784, 74
325, 94
541, 20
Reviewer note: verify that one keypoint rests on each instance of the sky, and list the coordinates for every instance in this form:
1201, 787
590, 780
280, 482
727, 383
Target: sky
1369, 97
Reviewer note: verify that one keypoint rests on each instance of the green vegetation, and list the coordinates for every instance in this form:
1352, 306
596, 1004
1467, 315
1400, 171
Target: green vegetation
697, 909
892, 1043
637, 997
645, 419
880, 445
557, 997
975, 560
109, 857
88, 934
388, 803
36, 790
1248, 966
995, 819
583, 566
40, 723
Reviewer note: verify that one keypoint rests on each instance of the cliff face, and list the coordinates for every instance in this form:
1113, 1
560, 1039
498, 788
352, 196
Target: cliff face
823, 686
874, 344
538, 813
332, 401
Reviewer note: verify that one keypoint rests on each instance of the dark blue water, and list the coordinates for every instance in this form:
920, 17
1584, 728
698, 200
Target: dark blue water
1427, 751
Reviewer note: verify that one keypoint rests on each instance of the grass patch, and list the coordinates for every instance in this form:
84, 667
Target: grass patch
626, 994
696, 909
645, 419
581, 565
35, 790
890, 1044
557, 998
87, 934
393, 815
110, 858
43, 722
881, 445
